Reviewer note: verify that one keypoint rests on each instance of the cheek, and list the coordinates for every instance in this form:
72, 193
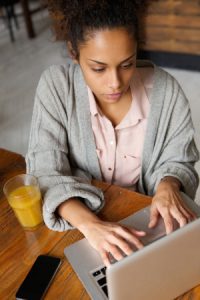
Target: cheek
91, 79
129, 76
126, 77
95, 83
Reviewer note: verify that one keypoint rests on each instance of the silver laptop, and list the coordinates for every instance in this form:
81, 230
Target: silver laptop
165, 268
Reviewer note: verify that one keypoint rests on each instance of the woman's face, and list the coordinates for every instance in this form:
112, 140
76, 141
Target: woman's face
108, 60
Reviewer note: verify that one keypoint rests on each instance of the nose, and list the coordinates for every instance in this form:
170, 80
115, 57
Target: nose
114, 81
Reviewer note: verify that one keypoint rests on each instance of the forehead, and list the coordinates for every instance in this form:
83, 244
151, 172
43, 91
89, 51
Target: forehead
108, 44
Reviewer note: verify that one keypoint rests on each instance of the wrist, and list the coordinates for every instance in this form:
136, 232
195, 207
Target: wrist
87, 224
169, 182
77, 214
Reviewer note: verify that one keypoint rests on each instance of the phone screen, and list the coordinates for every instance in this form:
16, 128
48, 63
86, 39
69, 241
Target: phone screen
39, 277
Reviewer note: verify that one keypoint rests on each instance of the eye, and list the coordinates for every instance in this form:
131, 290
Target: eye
128, 65
98, 70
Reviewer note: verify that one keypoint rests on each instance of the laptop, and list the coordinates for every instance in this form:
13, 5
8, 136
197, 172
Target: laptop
165, 268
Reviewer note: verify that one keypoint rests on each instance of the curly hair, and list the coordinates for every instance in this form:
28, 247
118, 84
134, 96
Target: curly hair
74, 20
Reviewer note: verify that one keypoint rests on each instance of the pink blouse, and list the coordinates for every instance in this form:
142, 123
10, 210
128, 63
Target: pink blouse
119, 148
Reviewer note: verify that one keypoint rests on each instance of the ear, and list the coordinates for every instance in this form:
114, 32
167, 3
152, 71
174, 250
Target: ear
72, 53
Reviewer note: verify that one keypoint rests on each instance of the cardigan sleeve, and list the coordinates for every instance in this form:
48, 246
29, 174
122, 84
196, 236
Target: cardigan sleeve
48, 152
175, 148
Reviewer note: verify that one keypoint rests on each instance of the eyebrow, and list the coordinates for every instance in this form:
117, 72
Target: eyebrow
101, 63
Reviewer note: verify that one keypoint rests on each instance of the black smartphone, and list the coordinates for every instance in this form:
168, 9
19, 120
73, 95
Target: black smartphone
39, 278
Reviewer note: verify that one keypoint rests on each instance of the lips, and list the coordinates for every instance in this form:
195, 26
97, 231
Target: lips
114, 95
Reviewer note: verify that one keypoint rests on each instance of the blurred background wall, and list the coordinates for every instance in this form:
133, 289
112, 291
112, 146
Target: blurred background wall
171, 38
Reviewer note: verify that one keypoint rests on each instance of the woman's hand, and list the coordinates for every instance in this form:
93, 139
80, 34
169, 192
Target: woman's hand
111, 238
105, 237
168, 203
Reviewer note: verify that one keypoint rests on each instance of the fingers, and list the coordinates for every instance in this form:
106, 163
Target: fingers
105, 258
175, 209
180, 216
154, 214
119, 243
190, 215
124, 239
137, 232
183, 215
130, 235
167, 220
111, 250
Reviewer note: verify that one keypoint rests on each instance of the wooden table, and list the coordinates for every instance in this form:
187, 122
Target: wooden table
19, 248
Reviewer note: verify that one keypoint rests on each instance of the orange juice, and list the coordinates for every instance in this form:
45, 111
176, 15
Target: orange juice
27, 205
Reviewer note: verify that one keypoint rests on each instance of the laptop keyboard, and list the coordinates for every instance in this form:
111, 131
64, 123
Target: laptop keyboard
99, 275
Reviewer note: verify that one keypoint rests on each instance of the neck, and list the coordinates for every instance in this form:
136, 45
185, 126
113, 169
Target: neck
115, 112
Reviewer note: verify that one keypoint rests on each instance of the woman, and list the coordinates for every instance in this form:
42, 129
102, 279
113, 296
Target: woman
108, 116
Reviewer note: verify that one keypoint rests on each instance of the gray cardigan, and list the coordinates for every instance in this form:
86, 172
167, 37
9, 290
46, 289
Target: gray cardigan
62, 151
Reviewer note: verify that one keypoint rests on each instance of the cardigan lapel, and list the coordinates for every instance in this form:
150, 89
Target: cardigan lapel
156, 105
83, 111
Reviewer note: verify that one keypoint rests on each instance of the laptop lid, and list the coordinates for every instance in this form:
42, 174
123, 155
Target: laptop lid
84, 259
162, 270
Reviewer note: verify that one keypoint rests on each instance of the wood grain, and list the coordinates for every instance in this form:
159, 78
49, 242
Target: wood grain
20, 248
174, 34
174, 7
178, 20
171, 46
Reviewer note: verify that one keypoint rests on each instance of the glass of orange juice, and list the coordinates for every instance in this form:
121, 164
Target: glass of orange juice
23, 194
